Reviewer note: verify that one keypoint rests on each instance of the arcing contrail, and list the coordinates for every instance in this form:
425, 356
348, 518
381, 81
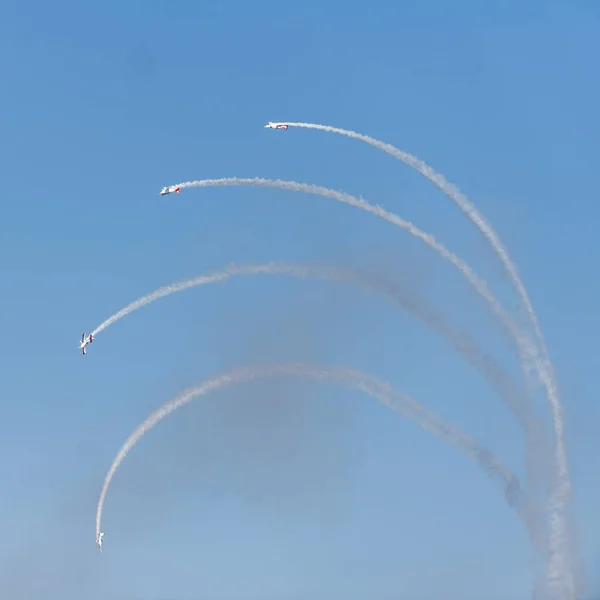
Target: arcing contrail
354, 380
526, 349
502, 382
561, 496
459, 199
559, 568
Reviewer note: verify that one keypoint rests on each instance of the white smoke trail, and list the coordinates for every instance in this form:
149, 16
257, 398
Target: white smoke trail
519, 404
559, 569
526, 349
351, 379
469, 209
561, 495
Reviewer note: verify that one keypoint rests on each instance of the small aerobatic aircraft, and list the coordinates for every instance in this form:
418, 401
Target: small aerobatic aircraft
85, 341
270, 125
99, 541
169, 190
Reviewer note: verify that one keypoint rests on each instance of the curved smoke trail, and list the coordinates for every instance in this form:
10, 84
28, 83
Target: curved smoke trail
502, 382
355, 380
525, 348
467, 207
560, 497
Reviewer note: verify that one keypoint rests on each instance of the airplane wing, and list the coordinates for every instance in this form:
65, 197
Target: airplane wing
83, 337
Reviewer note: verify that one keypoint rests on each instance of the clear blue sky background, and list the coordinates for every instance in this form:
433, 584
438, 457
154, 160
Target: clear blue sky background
282, 490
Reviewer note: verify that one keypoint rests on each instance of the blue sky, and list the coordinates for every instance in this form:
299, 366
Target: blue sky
283, 490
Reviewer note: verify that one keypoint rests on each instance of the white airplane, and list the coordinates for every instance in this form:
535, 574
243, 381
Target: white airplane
99, 541
169, 190
85, 341
271, 125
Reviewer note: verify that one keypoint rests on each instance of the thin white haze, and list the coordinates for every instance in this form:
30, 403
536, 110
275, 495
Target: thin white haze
559, 572
561, 495
526, 349
518, 403
351, 379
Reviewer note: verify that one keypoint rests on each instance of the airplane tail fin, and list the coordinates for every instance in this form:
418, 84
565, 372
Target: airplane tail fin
178, 190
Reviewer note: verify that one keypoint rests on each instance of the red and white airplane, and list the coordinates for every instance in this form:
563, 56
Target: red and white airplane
169, 190
271, 125
85, 341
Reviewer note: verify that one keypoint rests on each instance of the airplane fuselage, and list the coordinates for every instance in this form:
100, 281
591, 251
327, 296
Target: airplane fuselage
85, 341
270, 125
167, 190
